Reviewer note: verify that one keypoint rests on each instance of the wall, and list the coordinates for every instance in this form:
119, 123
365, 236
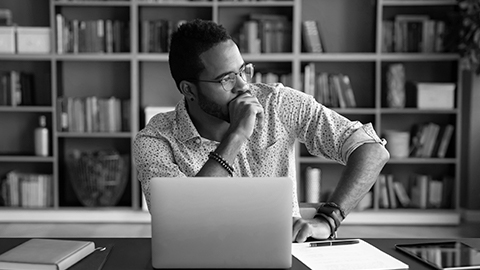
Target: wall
471, 143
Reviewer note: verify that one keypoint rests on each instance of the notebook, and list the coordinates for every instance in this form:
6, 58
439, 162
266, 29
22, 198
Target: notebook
46, 254
216, 222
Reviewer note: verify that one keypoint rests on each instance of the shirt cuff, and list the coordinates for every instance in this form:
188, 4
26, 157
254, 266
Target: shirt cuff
363, 135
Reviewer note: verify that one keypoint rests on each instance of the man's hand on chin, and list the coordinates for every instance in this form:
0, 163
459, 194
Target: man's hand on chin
315, 228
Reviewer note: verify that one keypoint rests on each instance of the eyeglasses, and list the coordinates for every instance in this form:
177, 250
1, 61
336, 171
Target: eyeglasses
228, 82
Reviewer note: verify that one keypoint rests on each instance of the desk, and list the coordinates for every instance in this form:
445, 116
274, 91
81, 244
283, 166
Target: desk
135, 253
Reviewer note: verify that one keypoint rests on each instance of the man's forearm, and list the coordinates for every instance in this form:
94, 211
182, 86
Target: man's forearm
361, 172
228, 150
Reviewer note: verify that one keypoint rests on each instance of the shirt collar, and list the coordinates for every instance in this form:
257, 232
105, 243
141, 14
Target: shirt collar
184, 128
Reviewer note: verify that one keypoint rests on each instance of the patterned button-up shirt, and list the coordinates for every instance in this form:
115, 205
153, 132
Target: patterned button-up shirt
170, 145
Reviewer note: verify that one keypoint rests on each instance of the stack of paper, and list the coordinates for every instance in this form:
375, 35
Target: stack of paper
348, 257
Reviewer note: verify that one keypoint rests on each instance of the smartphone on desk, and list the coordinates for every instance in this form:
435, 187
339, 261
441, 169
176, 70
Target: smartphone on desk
447, 255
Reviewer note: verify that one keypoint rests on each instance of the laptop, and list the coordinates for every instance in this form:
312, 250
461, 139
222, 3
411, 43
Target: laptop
216, 222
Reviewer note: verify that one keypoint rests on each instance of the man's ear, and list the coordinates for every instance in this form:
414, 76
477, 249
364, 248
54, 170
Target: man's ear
188, 89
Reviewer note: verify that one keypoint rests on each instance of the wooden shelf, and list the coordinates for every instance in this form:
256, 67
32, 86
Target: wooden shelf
418, 111
93, 3
94, 135
25, 158
339, 57
94, 57
419, 2
419, 57
27, 109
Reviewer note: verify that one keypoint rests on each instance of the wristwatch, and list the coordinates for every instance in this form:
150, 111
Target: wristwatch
333, 214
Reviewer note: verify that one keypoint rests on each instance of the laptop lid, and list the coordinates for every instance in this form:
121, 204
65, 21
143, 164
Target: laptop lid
215, 222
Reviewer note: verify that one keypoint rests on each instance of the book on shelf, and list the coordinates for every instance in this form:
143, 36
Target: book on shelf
401, 193
155, 35
273, 77
419, 191
93, 114
311, 37
46, 254
91, 36
431, 192
430, 140
388, 193
329, 89
446, 137
16, 88
413, 33
265, 33
435, 193
392, 197
381, 198
30, 190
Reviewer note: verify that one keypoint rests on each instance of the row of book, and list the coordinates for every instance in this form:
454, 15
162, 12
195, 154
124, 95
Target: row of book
413, 33
92, 36
430, 140
332, 90
20, 189
16, 88
265, 33
156, 34
423, 192
271, 77
93, 114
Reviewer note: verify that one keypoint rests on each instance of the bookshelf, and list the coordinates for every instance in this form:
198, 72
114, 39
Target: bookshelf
352, 47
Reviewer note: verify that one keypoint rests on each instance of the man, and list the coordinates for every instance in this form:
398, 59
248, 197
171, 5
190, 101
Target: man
225, 126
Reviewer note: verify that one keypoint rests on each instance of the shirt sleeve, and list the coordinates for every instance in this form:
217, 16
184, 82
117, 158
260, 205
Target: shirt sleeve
365, 134
323, 131
153, 158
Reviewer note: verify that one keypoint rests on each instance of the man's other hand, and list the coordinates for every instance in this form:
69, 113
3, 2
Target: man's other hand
315, 228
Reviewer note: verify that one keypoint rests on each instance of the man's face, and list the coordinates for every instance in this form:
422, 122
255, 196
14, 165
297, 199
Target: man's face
219, 61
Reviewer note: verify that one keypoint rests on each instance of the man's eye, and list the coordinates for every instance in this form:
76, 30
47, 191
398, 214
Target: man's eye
228, 78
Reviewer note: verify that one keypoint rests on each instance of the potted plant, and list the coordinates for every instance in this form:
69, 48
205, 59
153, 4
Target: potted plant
469, 34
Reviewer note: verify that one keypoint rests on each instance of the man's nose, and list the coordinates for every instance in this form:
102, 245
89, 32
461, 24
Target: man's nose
240, 85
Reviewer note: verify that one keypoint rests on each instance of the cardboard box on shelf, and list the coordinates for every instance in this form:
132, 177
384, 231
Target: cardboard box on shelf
7, 39
435, 95
33, 40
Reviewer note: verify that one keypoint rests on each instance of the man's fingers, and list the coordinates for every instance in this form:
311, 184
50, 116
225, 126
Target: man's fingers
301, 231
303, 234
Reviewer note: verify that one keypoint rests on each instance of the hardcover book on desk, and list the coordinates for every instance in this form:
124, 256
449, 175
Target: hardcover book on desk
46, 254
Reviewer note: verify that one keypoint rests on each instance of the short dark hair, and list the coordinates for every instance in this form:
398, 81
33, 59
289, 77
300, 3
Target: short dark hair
189, 41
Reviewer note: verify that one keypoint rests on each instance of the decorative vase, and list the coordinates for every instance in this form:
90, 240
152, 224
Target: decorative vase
396, 86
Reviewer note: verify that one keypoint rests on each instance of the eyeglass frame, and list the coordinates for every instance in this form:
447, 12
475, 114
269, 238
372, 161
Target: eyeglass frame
229, 76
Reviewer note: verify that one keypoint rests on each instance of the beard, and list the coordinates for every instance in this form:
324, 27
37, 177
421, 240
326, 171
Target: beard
212, 108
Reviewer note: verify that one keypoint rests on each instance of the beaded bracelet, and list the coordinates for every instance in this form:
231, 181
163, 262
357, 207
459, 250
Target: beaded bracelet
215, 156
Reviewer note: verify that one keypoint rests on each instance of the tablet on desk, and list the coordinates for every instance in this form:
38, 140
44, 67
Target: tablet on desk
448, 255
